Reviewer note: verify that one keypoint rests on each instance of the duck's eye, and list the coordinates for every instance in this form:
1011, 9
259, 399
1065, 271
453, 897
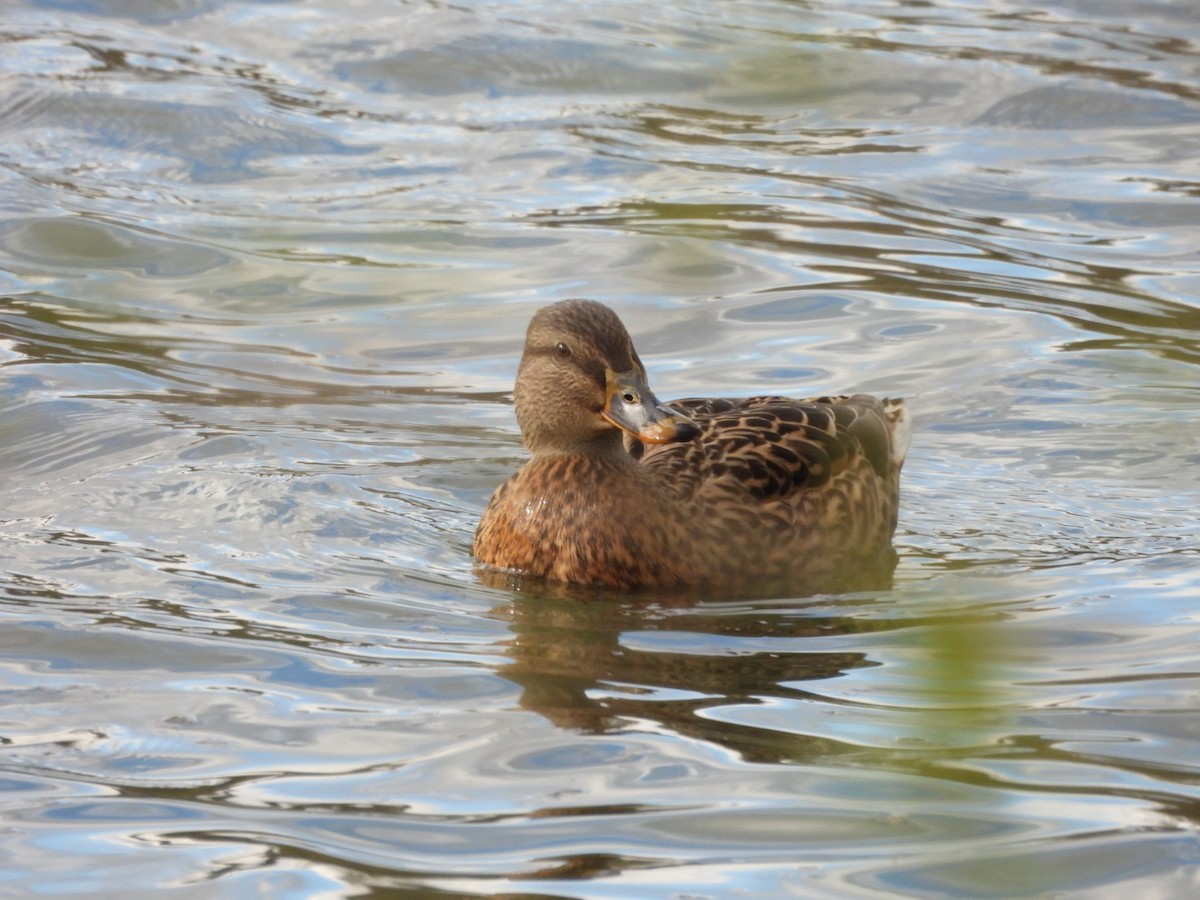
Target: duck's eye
562, 351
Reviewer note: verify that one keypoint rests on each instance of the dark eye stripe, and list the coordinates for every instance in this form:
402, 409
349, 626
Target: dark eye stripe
592, 367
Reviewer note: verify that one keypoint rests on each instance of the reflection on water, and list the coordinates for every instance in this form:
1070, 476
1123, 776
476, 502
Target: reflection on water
575, 664
264, 275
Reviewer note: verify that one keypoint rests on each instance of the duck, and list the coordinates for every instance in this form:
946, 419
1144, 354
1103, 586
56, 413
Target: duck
624, 491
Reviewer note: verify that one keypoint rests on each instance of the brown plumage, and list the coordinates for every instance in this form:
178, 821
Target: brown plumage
624, 491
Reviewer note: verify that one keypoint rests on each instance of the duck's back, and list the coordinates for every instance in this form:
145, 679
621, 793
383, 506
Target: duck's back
787, 489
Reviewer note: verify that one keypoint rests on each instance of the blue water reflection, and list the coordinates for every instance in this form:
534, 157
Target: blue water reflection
265, 271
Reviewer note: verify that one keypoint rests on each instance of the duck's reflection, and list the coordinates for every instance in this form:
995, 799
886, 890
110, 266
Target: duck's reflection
593, 661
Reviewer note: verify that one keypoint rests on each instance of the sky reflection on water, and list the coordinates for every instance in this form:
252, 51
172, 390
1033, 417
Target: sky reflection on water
265, 271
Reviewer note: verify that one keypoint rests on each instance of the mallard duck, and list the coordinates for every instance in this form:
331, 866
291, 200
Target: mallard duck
627, 492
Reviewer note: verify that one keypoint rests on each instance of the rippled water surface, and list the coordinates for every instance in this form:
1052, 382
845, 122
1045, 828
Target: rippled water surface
265, 270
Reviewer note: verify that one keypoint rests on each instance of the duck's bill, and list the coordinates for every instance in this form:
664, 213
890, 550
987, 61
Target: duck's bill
632, 407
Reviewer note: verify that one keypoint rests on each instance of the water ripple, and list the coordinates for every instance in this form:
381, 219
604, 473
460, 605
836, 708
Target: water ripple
265, 275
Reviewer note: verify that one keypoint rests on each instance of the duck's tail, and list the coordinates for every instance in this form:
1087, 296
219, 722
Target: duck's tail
900, 428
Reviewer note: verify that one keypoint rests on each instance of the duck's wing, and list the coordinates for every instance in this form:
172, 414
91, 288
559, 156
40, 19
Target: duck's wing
774, 447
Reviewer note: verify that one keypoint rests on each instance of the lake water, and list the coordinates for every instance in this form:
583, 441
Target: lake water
265, 270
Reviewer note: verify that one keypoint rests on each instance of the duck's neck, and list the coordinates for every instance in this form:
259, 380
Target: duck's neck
605, 448
592, 478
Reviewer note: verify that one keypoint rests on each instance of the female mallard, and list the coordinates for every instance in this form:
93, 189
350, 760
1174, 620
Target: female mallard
627, 492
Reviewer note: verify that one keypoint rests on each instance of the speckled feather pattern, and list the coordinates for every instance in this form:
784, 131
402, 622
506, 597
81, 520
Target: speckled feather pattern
771, 489
790, 490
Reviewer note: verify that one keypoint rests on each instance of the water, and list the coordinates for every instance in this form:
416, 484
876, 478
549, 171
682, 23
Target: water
265, 272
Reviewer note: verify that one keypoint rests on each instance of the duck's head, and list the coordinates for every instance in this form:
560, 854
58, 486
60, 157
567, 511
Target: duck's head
581, 383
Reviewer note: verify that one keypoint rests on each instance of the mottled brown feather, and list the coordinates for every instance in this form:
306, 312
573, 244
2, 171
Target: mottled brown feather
771, 489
